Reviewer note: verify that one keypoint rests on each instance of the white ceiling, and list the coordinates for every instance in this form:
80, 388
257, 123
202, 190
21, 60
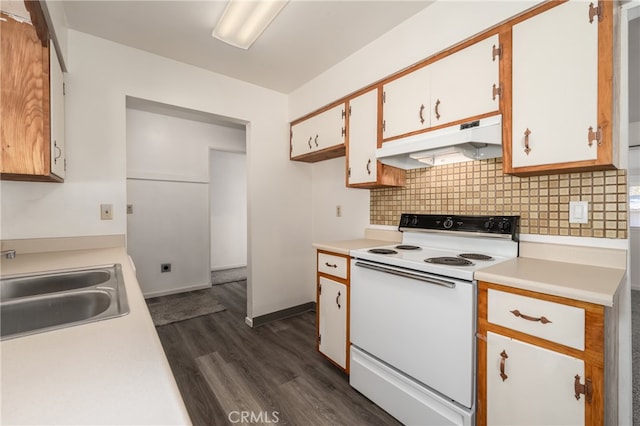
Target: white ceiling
306, 38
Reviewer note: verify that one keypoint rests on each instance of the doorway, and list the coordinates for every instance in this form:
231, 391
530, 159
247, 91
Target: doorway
228, 210
168, 194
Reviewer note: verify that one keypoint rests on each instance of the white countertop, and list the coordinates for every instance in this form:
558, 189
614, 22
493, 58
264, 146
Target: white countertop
107, 372
345, 246
594, 284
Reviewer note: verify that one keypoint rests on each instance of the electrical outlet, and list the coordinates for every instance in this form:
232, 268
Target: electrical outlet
106, 211
338, 211
578, 212
129, 208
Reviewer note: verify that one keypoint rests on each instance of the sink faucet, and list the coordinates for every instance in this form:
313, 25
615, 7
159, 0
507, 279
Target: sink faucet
9, 254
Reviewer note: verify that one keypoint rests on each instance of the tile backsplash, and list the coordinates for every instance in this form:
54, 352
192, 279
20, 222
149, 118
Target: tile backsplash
480, 187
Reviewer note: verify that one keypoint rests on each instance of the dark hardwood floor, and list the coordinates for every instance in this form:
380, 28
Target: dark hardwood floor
229, 373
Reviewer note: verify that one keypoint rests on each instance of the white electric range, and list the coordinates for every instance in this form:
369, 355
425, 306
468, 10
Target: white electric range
413, 315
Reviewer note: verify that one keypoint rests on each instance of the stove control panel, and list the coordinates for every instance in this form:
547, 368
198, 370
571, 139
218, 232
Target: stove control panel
504, 226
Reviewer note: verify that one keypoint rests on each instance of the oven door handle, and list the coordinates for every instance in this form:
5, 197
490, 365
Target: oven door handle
430, 280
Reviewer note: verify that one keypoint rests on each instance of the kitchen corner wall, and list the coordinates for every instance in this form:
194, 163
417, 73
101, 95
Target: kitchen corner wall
480, 187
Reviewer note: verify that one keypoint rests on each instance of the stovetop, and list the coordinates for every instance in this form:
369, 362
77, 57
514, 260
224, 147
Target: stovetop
449, 237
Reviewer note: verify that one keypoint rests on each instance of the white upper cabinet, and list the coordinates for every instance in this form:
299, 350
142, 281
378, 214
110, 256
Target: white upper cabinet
452, 89
363, 138
555, 73
462, 83
406, 104
58, 162
319, 137
562, 90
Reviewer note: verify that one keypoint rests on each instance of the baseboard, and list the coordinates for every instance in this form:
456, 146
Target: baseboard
222, 268
278, 315
176, 290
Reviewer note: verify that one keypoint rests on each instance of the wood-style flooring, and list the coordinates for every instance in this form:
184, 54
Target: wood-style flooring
231, 374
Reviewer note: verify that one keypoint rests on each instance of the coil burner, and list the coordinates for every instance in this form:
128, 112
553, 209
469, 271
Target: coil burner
450, 261
475, 256
382, 251
407, 247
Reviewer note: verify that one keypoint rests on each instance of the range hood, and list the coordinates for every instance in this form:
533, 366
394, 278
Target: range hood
477, 140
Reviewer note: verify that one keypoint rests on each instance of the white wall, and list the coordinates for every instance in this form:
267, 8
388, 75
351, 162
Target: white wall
169, 224
329, 191
101, 75
228, 207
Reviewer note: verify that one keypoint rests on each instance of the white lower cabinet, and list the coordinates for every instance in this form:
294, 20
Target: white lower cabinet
332, 320
531, 385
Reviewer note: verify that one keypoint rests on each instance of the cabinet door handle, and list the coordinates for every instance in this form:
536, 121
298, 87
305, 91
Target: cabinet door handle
331, 265
517, 313
338, 300
316, 141
436, 109
421, 117
503, 361
369, 166
58, 152
310, 139
579, 388
527, 150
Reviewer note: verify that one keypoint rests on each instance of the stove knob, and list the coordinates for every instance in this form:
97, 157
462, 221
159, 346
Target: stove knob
415, 220
404, 221
448, 223
506, 227
488, 225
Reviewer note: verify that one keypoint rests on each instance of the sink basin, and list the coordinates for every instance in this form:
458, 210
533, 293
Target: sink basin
41, 302
31, 285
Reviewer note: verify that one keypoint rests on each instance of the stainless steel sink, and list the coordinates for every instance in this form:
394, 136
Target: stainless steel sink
36, 303
31, 285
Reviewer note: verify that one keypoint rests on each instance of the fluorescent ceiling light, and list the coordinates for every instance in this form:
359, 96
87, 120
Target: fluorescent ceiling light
243, 21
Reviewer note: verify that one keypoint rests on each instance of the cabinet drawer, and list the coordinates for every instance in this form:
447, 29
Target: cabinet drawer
332, 265
548, 320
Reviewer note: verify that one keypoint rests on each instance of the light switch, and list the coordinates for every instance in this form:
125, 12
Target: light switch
578, 212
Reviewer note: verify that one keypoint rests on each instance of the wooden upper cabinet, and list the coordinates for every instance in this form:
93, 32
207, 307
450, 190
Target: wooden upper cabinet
363, 170
561, 95
453, 89
28, 152
319, 137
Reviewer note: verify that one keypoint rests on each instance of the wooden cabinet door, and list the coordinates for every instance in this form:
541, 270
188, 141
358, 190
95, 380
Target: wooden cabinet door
363, 138
537, 385
301, 139
462, 83
57, 114
555, 87
333, 304
405, 105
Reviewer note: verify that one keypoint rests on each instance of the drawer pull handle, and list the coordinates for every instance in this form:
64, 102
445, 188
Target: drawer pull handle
338, 300
369, 166
309, 142
331, 265
517, 313
503, 361
421, 111
436, 109
586, 389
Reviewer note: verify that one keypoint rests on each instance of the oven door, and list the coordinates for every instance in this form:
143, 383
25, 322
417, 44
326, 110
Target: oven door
420, 324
